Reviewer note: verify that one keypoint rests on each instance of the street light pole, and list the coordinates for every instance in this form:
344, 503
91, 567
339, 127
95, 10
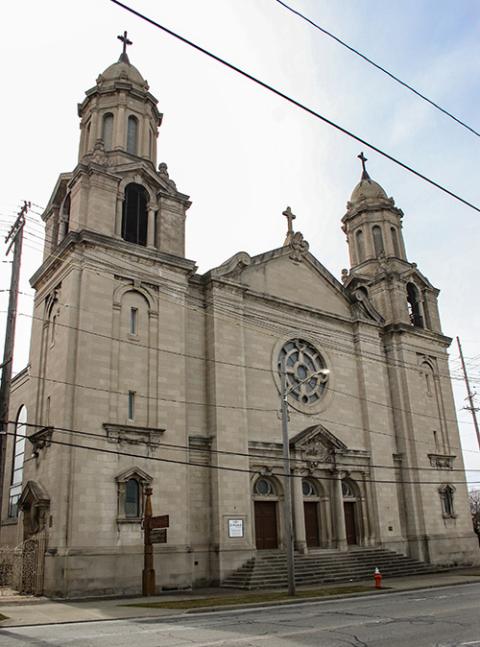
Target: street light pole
287, 513
287, 510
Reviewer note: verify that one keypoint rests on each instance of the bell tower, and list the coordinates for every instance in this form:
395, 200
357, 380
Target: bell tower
116, 189
379, 265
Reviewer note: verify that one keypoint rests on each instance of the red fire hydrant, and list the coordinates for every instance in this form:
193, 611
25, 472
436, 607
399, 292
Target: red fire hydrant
378, 579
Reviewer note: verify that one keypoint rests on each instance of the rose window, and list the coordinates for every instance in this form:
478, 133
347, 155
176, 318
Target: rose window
306, 373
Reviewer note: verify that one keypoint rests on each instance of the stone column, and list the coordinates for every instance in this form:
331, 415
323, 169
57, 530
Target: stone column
341, 532
299, 515
118, 217
151, 228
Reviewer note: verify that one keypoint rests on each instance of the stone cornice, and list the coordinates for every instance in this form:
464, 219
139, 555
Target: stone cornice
75, 238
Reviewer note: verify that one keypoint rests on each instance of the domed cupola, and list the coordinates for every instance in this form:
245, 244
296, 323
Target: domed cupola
373, 225
119, 116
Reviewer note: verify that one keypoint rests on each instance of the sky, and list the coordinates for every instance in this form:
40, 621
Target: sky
243, 154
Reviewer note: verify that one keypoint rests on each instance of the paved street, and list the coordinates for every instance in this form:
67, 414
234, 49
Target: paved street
442, 617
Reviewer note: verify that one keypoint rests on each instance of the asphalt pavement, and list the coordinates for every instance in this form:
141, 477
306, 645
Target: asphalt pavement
436, 617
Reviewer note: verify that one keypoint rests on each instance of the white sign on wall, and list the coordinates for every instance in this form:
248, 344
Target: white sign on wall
235, 527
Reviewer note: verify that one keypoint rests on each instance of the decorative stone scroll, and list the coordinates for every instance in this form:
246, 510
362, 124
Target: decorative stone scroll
441, 461
298, 246
41, 439
121, 434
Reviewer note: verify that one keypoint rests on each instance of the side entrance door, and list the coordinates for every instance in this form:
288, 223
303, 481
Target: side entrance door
350, 526
311, 523
266, 525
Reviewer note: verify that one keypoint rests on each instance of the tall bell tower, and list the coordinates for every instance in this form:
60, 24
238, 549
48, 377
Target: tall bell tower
116, 189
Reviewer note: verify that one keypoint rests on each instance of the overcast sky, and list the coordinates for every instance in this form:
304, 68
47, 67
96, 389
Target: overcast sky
243, 154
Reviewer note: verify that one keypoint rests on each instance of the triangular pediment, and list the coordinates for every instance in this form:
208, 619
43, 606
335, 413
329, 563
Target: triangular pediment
298, 278
316, 441
33, 494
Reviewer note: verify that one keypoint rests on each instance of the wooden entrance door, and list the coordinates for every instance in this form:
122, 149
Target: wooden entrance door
266, 525
311, 523
350, 527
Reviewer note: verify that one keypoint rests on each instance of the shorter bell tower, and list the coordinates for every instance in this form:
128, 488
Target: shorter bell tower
379, 265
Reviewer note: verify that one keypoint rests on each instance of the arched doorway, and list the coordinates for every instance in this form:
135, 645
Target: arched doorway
350, 512
310, 508
265, 507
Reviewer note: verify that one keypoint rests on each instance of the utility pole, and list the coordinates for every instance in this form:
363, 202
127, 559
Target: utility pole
472, 407
288, 524
15, 238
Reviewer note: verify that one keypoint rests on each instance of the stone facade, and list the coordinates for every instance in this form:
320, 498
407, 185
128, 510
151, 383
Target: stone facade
144, 372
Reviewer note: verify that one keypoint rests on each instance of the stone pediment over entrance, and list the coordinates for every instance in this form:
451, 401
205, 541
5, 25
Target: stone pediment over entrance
33, 494
318, 443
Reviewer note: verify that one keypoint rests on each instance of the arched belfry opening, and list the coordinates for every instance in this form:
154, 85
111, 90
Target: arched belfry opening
135, 215
414, 306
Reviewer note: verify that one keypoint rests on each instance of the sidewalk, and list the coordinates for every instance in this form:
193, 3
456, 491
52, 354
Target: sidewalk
22, 610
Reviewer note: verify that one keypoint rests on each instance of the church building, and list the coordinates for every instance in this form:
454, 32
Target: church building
145, 373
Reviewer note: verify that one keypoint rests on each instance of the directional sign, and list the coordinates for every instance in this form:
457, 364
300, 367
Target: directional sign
162, 521
158, 536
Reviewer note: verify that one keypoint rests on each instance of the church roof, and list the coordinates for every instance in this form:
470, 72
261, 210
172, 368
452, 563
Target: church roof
367, 189
122, 70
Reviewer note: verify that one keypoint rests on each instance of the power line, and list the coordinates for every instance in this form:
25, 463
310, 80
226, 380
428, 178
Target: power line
229, 468
296, 103
163, 445
379, 67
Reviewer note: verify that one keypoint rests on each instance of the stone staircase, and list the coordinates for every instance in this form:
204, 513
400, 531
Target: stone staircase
268, 569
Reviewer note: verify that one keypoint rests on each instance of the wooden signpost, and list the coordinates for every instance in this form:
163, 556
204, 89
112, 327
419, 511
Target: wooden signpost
155, 532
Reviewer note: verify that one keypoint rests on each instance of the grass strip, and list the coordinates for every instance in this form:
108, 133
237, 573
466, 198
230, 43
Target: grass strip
2, 617
249, 598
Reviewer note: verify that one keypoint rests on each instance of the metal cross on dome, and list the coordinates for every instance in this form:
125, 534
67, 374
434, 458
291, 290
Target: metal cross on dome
363, 159
125, 42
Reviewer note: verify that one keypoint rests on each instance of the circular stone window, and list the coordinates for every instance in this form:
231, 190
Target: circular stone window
305, 370
308, 489
263, 488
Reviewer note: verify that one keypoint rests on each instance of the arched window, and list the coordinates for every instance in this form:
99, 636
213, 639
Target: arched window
132, 498
377, 240
396, 246
65, 217
130, 494
107, 131
17, 462
132, 135
446, 497
134, 217
414, 309
308, 488
360, 246
264, 487
348, 490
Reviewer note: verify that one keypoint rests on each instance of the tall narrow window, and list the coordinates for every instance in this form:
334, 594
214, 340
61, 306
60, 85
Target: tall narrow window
107, 131
132, 498
360, 246
414, 309
131, 405
377, 240
396, 246
446, 497
17, 463
135, 215
133, 320
66, 216
132, 135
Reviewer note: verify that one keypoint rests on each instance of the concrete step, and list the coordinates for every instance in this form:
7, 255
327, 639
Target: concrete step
269, 569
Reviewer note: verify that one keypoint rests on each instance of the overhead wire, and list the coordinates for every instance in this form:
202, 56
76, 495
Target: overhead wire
229, 468
296, 103
393, 76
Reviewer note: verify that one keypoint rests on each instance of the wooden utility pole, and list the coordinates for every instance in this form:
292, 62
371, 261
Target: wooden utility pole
15, 240
472, 407
148, 575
